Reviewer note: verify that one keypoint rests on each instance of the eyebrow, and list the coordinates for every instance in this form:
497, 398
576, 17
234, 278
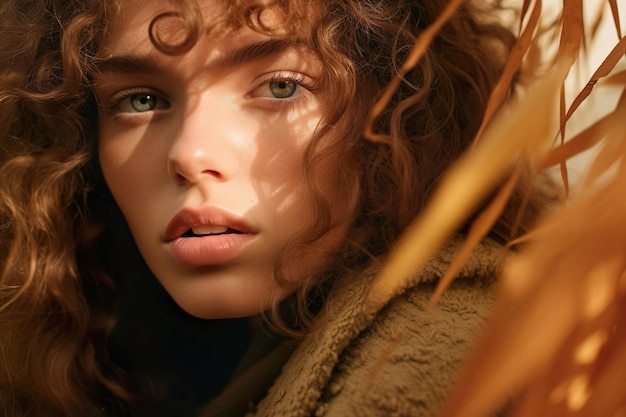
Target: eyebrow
240, 56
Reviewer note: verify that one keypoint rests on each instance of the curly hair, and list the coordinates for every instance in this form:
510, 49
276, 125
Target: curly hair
50, 336
55, 300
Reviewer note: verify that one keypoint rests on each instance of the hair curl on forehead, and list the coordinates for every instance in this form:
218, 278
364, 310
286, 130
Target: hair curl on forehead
191, 30
295, 21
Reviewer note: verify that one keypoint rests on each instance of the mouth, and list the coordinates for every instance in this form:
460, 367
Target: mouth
207, 236
210, 230
203, 222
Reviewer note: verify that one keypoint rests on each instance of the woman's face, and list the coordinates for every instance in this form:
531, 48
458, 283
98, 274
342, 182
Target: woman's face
203, 154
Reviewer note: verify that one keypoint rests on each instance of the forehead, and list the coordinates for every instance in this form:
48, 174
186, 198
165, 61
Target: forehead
220, 46
137, 20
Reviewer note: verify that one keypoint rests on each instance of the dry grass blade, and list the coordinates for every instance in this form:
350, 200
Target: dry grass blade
572, 34
583, 141
512, 65
616, 20
480, 228
607, 66
525, 8
571, 40
617, 79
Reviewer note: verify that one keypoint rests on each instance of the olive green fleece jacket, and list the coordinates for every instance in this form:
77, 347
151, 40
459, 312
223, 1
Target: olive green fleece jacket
399, 361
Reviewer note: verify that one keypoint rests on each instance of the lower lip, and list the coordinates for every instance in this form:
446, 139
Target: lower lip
208, 250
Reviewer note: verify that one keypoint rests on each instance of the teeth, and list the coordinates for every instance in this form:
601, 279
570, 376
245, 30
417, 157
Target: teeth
208, 230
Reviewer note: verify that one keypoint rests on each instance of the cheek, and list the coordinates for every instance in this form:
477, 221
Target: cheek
111, 163
127, 166
276, 170
113, 151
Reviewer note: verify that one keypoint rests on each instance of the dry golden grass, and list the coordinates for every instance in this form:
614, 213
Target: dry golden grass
556, 342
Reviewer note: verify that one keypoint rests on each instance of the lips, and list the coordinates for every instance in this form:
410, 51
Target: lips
206, 237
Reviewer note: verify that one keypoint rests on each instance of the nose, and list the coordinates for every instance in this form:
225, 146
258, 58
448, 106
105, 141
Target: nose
204, 146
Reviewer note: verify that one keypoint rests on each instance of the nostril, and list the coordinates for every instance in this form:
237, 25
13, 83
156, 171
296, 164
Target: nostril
184, 179
213, 173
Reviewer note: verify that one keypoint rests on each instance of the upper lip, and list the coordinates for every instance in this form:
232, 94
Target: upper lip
189, 217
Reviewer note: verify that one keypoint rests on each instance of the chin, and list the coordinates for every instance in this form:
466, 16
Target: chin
208, 309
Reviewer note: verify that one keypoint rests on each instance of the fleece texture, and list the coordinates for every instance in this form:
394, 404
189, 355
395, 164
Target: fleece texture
399, 361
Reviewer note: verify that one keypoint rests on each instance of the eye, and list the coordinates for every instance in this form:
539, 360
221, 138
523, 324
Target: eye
133, 101
282, 85
283, 89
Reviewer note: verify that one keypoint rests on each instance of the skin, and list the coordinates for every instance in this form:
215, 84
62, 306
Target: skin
206, 141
